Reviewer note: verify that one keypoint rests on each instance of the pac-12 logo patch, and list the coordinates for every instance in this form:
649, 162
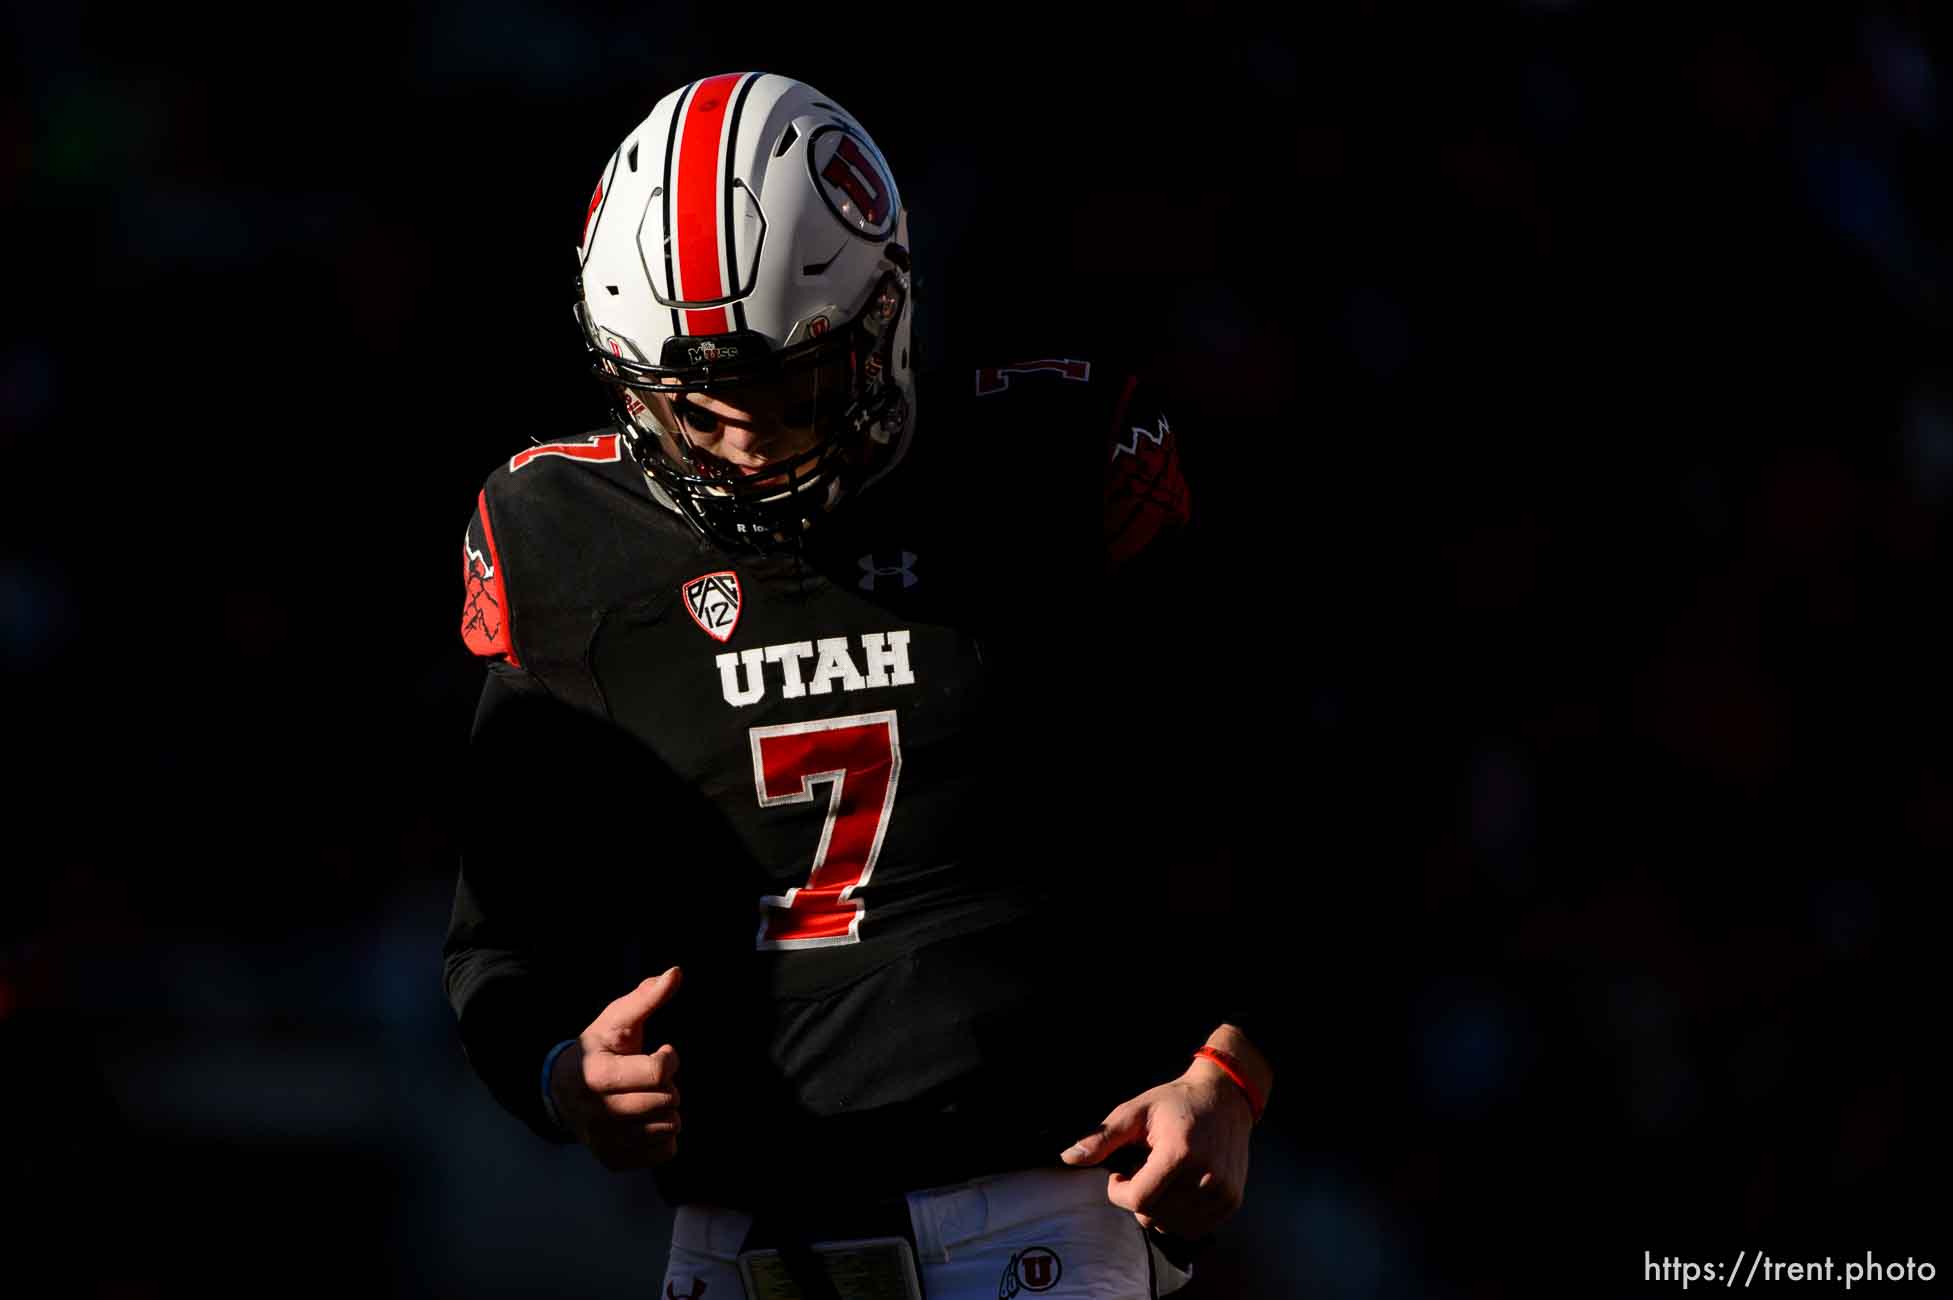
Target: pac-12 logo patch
713, 603
1031, 1269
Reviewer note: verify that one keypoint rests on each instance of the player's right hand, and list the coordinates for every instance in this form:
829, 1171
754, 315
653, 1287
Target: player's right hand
619, 1100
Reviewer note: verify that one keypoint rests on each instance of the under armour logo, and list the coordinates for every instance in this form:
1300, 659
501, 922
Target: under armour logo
905, 570
689, 1295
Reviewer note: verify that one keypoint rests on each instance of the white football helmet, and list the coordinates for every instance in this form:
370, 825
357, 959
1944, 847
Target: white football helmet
747, 237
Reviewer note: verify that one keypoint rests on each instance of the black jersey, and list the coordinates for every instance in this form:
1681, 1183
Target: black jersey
864, 791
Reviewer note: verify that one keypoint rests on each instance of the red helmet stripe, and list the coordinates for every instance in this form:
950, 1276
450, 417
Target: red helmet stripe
696, 220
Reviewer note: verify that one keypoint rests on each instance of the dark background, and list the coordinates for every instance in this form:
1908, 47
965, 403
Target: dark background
1569, 405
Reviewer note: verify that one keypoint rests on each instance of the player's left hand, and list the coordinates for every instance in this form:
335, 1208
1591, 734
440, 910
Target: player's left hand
1196, 1129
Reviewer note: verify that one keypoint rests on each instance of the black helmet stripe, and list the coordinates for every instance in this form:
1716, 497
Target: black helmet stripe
671, 152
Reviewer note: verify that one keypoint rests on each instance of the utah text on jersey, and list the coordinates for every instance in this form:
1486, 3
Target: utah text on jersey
743, 677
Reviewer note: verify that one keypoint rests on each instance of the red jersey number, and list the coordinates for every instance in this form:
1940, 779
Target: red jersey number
859, 759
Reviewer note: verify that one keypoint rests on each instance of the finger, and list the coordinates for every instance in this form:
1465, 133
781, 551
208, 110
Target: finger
1149, 1190
627, 1127
1219, 1194
627, 1133
1189, 1205
604, 1073
637, 1104
635, 1150
1215, 1191
653, 1144
1125, 1124
619, 1027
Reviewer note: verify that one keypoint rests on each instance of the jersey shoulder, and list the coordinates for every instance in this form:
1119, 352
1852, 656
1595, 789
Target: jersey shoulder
559, 530
1092, 417
562, 475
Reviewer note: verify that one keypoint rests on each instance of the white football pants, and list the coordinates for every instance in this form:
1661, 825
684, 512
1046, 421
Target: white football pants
1052, 1228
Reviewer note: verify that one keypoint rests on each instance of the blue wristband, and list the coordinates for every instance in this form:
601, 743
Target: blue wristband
549, 1102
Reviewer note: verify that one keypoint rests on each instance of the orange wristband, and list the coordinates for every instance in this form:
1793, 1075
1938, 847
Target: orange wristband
1232, 1069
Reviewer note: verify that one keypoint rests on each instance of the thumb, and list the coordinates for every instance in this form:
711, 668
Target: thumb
620, 1027
1125, 1125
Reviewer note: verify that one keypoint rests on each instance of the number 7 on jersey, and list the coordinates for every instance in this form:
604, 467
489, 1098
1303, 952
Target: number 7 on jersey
860, 758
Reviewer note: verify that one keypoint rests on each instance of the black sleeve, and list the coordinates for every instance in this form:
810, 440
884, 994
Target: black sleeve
1200, 732
1195, 744
545, 927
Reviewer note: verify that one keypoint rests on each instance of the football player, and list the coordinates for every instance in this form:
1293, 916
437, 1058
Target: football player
819, 775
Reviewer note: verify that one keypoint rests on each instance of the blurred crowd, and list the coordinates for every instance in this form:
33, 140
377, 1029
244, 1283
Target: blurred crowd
1568, 394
